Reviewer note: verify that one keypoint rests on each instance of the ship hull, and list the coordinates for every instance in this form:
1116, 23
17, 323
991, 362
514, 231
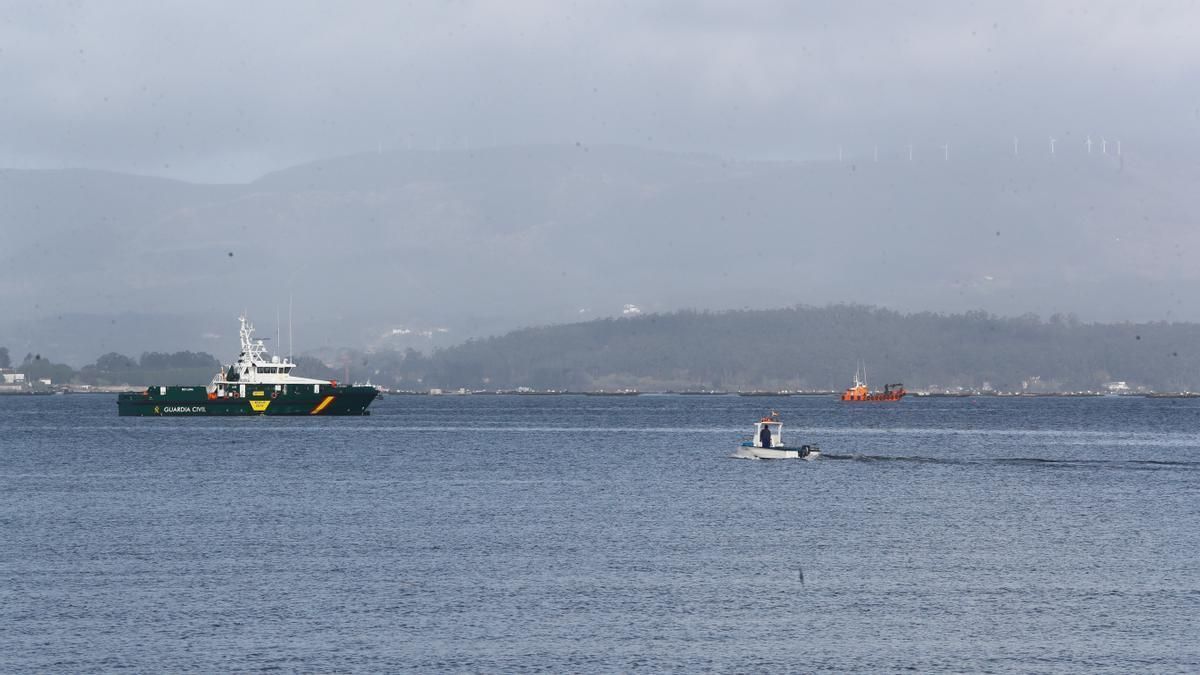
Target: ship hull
751, 451
850, 397
292, 400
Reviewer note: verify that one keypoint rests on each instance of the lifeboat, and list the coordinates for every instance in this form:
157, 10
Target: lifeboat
861, 393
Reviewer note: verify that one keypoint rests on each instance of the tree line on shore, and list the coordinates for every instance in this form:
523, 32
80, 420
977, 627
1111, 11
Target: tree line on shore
797, 348
116, 369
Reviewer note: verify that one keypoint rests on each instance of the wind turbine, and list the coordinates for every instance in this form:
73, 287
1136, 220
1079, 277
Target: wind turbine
1016, 147
1103, 146
910, 151
1089, 144
1118, 147
946, 151
1052, 140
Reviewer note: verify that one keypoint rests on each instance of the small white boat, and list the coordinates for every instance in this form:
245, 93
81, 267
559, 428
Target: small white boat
767, 443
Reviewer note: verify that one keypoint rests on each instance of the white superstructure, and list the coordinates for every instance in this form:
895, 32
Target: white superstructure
254, 368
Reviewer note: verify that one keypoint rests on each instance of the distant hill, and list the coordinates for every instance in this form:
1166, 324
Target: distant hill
477, 242
818, 348
794, 348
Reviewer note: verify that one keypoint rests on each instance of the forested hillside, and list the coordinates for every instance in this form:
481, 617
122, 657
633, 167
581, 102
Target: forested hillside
817, 348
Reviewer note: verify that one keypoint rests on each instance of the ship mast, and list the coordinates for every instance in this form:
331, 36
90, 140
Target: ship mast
252, 349
860, 374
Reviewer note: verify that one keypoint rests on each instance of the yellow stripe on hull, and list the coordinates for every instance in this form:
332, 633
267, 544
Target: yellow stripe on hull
321, 406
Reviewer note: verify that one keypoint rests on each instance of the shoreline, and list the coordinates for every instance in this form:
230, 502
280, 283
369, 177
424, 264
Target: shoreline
116, 389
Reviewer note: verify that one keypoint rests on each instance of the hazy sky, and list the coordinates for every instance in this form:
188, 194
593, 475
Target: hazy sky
222, 91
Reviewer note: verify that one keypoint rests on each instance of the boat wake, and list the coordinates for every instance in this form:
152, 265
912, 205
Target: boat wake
1019, 461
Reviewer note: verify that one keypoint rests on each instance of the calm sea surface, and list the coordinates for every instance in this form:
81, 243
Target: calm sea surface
504, 533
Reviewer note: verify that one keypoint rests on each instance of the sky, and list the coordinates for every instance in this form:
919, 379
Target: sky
225, 91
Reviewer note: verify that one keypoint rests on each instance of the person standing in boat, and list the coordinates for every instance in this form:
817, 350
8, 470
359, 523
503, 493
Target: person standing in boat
764, 436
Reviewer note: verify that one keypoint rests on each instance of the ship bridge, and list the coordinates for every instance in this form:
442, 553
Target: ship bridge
252, 366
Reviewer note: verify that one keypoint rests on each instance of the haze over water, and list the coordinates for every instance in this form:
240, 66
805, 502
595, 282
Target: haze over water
476, 167
493, 533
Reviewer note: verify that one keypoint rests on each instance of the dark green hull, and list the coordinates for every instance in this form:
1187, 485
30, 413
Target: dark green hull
259, 400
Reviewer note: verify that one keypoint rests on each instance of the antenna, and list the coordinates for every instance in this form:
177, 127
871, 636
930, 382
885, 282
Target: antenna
289, 328
277, 345
1052, 140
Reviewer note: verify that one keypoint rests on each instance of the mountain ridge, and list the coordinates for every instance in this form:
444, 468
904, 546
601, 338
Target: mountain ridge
481, 241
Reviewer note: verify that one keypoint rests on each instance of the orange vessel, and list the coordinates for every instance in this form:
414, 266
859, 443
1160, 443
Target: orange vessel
860, 392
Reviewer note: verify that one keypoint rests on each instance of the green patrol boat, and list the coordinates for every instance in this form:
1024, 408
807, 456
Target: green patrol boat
252, 385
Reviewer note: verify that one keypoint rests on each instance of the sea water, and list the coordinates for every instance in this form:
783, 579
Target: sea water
574, 533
